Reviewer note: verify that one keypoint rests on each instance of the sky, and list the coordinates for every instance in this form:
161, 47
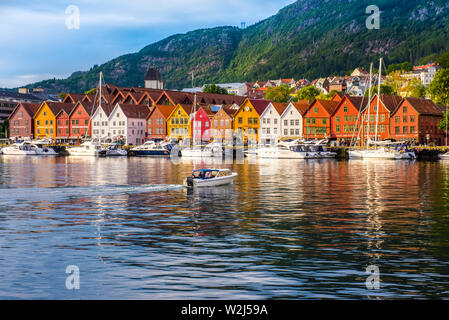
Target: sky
41, 39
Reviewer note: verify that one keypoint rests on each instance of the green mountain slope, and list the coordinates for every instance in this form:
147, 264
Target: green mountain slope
310, 38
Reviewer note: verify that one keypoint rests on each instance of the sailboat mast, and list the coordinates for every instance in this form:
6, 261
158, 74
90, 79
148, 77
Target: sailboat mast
378, 98
369, 104
193, 120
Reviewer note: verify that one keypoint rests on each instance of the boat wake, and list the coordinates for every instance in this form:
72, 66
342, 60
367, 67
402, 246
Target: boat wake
11, 196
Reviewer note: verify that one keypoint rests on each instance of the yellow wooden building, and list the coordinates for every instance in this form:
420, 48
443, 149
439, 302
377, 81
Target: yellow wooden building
247, 119
45, 118
179, 122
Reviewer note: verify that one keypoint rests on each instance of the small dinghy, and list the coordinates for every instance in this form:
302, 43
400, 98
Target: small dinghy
210, 178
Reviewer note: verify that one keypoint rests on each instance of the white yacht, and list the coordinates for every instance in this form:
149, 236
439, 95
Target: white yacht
27, 148
214, 149
289, 150
210, 178
88, 148
153, 149
113, 150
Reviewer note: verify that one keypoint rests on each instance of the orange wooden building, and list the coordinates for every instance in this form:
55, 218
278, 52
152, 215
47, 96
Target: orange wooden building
346, 118
317, 119
387, 105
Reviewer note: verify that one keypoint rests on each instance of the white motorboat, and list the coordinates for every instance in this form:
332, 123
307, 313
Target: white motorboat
210, 178
153, 149
289, 150
113, 150
27, 148
211, 150
444, 156
88, 148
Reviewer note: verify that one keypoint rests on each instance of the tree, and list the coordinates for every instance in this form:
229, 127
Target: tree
308, 93
444, 120
4, 128
443, 60
439, 87
279, 94
213, 88
91, 91
384, 89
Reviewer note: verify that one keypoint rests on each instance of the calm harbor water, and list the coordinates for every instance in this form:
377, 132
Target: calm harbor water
287, 229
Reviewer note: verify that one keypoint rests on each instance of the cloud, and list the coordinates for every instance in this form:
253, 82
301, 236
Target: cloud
39, 42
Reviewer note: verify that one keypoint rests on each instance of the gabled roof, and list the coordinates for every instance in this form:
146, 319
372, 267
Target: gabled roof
134, 111
280, 107
88, 106
30, 108
107, 108
358, 102
74, 97
390, 102
164, 110
329, 105
57, 107
424, 106
259, 105
302, 106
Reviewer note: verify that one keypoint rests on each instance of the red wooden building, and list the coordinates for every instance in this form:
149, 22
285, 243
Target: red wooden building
157, 121
387, 105
202, 124
416, 120
346, 118
317, 119
62, 126
80, 125
21, 122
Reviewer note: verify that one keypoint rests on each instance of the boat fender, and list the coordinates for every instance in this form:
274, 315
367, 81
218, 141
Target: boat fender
189, 181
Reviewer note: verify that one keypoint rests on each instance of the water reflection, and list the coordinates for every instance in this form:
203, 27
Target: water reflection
285, 229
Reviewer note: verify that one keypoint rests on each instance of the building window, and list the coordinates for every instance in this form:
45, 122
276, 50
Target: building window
404, 119
324, 121
412, 129
337, 128
316, 109
286, 122
405, 130
240, 120
404, 110
345, 109
337, 119
397, 130
412, 119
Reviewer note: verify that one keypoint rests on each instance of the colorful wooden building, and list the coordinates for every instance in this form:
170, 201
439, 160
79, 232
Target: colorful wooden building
80, 125
157, 121
179, 122
317, 119
417, 120
45, 118
387, 105
222, 123
62, 126
247, 119
202, 124
346, 120
21, 123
